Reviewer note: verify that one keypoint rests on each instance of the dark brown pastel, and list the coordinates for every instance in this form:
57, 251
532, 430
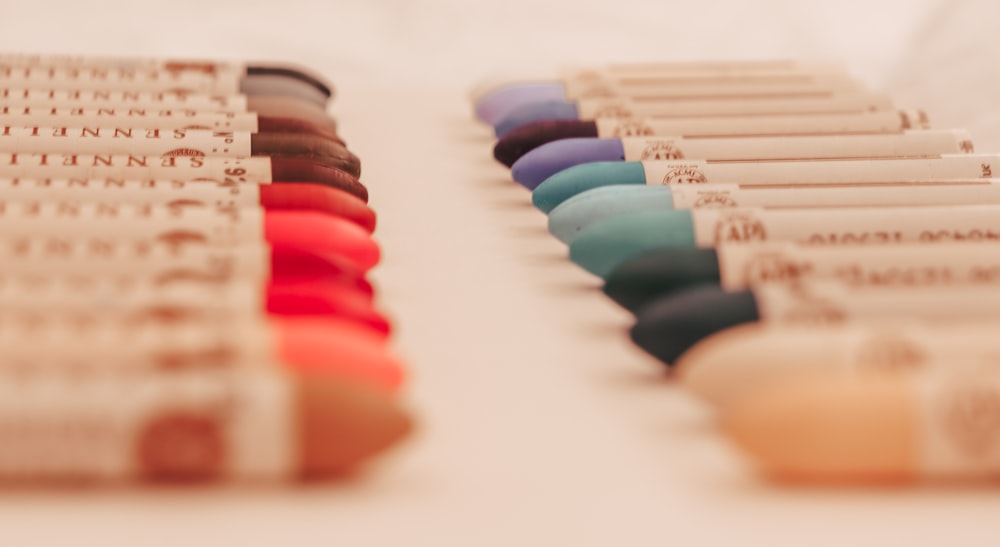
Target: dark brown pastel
292, 169
307, 146
526, 138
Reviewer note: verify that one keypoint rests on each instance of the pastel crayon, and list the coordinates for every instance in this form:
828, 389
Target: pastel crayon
265, 112
681, 90
545, 161
165, 261
193, 77
183, 296
105, 139
737, 362
570, 182
736, 266
229, 423
297, 231
493, 102
607, 244
177, 193
526, 138
936, 425
682, 103
576, 214
257, 170
668, 327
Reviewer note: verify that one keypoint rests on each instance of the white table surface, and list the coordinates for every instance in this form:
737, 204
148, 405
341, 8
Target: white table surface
540, 424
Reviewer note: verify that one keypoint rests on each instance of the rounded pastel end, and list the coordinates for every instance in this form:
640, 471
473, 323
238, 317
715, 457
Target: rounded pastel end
284, 85
670, 326
291, 169
293, 70
831, 429
526, 138
605, 245
342, 425
548, 159
322, 298
321, 150
579, 212
497, 104
316, 197
337, 347
659, 273
289, 264
321, 234
560, 109
587, 176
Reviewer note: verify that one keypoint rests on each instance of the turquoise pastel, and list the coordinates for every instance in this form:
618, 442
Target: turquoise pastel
575, 214
604, 245
586, 176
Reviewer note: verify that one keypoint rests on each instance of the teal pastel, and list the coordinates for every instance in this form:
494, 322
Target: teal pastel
574, 215
606, 244
586, 176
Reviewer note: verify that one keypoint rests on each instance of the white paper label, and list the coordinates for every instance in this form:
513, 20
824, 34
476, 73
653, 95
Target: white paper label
958, 413
791, 124
884, 170
107, 138
832, 227
135, 167
830, 147
102, 98
904, 265
682, 88
957, 192
139, 79
72, 122
203, 424
619, 107
152, 192
205, 66
180, 223
132, 299
159, 261
34, 345
701, 68
821, 302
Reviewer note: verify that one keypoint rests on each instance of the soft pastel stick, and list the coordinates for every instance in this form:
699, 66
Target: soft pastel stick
579, 178
547, 160
681, 106
295, 231
576, 214
494, 103
192, 426
257, 170
165, 261
325, 345
154, 137
668, 327
185, 296
193, 77
737, 266
737, 362
528, 137
606, 245
895, 429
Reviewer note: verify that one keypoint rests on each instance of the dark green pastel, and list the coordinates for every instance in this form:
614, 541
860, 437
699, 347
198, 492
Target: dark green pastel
659, 273
668, 327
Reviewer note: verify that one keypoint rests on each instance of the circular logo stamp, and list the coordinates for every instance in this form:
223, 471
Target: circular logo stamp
714, 200
632, 128
661, 150
687, 174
